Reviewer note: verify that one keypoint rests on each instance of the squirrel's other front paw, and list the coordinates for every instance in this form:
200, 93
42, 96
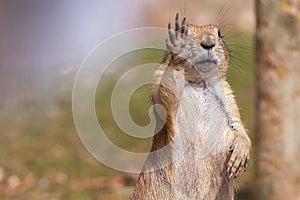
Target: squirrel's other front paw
240, 156
176, 43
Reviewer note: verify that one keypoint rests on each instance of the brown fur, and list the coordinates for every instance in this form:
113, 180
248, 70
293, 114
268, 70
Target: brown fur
193, 177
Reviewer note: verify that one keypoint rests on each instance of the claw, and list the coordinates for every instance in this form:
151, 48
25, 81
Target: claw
230, 175
246, 164
228, 170
176, 25
231, 148
184, 27
176, 22
238, 171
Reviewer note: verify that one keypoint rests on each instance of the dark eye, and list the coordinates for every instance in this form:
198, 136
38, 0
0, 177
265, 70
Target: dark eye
219, 34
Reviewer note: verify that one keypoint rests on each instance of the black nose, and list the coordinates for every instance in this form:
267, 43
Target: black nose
207, 45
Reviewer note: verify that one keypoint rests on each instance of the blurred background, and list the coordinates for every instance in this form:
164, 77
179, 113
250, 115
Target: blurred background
42, 44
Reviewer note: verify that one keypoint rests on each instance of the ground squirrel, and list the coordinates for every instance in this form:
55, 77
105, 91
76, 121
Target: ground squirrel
202, 121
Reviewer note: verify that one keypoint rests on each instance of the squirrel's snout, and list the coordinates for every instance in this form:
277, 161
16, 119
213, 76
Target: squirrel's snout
208, 41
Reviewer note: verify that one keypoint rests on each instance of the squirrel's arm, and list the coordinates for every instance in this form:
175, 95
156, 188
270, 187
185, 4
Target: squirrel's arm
241, 145
167, 87
232, 112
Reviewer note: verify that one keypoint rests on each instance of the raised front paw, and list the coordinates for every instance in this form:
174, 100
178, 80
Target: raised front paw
240, 156
176, 44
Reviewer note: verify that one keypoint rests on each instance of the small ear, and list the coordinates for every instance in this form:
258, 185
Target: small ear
219, 34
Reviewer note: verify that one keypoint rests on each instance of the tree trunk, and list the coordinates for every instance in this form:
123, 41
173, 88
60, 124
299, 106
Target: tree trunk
278, 99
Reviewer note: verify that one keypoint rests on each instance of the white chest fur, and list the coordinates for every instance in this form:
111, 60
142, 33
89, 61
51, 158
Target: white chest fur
200, 123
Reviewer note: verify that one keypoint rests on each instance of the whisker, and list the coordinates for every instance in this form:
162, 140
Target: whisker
239, 52
241, 70
224, 26
220, 12
224, 11
238, 48
222, 23
236, 65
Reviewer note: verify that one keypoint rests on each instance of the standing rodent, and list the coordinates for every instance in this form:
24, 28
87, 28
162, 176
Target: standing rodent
202, 125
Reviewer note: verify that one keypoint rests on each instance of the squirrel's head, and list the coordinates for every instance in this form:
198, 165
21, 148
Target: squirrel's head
208, 49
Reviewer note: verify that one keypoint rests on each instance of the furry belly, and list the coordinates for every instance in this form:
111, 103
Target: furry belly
202, 137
